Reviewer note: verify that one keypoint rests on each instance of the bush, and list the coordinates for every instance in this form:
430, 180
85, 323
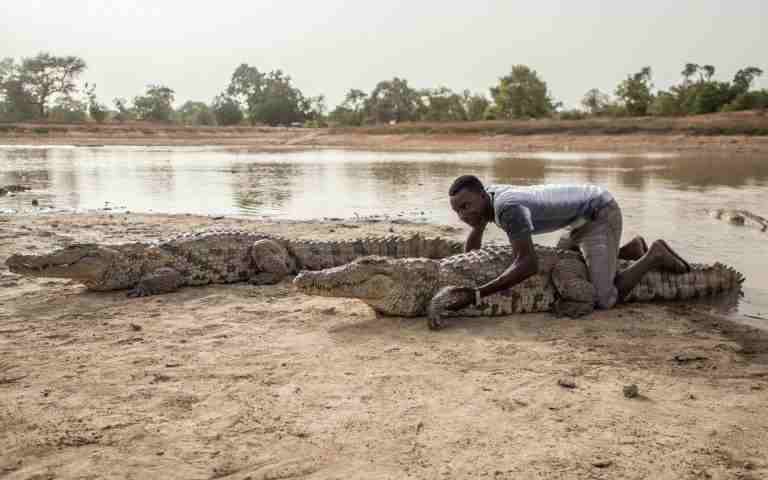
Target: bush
68, 111
711, 97
748, 101
98, 113
572, 115
227, 111
665, 105
277, 111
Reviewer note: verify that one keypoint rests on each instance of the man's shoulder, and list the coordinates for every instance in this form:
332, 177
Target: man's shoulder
508, 191
498, 190
498, 187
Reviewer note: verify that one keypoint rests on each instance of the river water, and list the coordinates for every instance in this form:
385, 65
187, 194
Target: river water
661, 195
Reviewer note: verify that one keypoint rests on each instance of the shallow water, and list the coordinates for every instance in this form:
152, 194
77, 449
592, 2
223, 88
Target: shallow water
661, 195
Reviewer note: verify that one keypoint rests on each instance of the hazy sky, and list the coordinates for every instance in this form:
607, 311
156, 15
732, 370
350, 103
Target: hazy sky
329, 46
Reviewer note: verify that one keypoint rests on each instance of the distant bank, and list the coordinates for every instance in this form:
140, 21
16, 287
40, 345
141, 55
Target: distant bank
738, 131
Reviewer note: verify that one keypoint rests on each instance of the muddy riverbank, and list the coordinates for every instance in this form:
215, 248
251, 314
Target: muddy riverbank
251, 382
727, 132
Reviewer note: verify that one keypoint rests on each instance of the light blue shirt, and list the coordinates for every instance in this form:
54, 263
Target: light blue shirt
521, 210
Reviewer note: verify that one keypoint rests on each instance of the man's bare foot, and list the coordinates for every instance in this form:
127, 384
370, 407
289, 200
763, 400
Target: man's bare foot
634, 249
667, 258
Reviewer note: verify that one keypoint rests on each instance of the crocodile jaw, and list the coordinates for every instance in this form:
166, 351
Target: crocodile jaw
83, 263
390, 286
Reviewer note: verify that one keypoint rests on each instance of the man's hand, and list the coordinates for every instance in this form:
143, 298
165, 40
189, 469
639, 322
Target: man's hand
474, 239
448, 299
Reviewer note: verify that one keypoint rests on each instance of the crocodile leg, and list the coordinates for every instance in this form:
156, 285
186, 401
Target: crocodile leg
273, 262
577, 294
162, 280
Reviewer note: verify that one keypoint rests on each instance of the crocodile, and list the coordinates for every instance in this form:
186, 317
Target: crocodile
6, 189
420, 286
740, 217
213, 257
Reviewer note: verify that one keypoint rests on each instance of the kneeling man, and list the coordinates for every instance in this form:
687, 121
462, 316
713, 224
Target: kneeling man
588, 215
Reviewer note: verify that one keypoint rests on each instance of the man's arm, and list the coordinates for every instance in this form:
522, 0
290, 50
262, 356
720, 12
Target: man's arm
525, 264
474, 239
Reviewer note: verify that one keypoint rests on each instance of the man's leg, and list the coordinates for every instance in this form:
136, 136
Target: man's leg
599, 244
660, 256
632, 250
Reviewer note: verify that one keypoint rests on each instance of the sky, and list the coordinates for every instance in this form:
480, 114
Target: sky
331, 46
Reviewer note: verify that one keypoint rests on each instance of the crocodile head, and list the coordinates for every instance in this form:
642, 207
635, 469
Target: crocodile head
390, 286
86, 263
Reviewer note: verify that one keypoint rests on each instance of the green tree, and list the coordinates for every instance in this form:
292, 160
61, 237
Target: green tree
355, 99
277, 110
280, 102
195, 113
227, 110
15, 102
689, 70
124, 112
155, 104
316, 111
247, 87
393, 100
707, 72
352, 110
7, 69
710, 97
246, 82
522, 94
267, 98
635, 91
476, 105
442, 104
748, 101
743, 79
69, 110
665, 104
595, 101
45, 76
97, 111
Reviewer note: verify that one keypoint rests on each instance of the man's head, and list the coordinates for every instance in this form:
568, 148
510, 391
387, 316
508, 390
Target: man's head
470, 201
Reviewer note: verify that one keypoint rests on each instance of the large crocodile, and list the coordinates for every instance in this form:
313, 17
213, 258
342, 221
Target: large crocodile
213, 257
740, 217
419, 286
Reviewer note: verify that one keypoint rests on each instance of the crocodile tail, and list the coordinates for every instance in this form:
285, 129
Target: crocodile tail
702, 281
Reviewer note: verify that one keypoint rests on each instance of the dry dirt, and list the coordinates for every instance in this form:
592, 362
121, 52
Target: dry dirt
650, 134
244, 382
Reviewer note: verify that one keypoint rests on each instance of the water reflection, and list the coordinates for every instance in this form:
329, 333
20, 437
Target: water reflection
309, 184
263, 188
661, 195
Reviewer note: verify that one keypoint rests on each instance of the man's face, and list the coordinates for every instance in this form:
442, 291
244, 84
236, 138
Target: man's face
471, 207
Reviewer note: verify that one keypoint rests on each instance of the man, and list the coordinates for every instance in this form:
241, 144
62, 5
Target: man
588, 214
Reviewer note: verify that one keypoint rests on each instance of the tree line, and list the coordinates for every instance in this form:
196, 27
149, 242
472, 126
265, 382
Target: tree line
45, 87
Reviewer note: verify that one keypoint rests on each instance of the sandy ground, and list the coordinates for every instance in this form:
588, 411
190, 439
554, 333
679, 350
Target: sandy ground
244, 382
390, 139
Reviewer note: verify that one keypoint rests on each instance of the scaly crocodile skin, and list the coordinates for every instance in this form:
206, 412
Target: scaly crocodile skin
213, 257
413, 287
